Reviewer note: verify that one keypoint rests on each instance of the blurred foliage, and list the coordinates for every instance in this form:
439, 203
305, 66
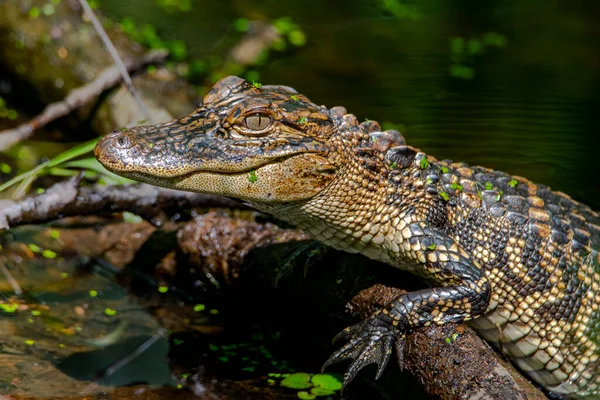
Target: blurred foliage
175, 5
463, 52
401, 10
6, 112
214, 66
146, 34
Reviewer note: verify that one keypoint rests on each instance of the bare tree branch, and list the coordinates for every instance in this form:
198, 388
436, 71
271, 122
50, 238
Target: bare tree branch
69, 199
77, 98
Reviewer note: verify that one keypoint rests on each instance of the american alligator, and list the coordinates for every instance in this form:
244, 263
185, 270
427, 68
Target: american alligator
518, 260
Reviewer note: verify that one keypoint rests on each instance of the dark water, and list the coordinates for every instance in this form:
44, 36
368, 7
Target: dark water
529, 106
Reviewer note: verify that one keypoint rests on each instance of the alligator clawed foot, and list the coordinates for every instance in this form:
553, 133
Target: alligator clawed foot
369, 341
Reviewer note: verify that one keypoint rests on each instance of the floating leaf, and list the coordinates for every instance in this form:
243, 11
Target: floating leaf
327, 381
299, 380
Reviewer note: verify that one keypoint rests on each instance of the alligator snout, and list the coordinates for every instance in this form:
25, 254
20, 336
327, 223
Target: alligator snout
113, 150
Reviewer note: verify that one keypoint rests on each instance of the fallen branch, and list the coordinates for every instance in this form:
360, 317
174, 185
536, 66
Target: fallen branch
451, 360
69, 199
77, 98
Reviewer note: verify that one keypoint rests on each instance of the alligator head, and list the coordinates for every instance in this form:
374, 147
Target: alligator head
257, 143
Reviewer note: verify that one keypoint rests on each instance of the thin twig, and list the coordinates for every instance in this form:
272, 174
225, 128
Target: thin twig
13, 282
76, 98
116, 57
159, 334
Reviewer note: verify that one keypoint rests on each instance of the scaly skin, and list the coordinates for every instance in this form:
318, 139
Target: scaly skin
517, 259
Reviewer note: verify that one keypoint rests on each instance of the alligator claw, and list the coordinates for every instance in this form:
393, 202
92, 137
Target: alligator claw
369, 342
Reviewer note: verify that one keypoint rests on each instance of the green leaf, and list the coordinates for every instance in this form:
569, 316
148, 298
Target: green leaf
299, 380
132, 218
327, 381
252, 176
432, 246
5, 168
284, 25
456, 186
297, 38
461, 71
457, 45
241, 24
444, 170
199, 307
306, 396
9, 308
494, 39
302, 120
475, 46
444, 196
110, 312
513, 183
424, 163
489, 186
28, 176
48, 254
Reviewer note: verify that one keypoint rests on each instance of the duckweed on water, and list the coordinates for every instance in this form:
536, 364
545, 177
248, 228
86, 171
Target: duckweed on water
110, 312
163, 289
199, 307
48, 254
9, 308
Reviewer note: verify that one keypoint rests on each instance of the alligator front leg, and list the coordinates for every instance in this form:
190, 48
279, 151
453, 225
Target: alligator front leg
464, 294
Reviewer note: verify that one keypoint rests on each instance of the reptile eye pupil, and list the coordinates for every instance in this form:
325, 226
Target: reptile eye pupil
257, 122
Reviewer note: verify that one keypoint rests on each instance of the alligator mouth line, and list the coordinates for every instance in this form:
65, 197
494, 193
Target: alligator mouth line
144, 176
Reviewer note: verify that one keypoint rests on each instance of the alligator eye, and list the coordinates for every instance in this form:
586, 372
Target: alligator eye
257, 122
